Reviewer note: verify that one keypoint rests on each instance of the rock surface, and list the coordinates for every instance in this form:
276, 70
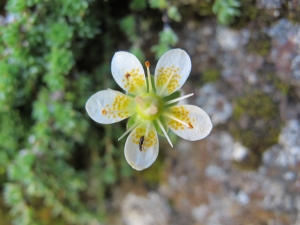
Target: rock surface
201, 180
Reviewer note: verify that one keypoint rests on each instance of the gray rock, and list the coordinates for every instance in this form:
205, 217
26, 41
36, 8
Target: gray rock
287, 152
290, 138
150, 210
283, 31
216, 173
199, 213
295, 67
269, 4
216, 105
228, 39
240, 152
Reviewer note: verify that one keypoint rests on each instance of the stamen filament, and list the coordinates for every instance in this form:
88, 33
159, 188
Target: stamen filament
178, 99
164, 131
176, 119
166, 84
148, 75
129, 130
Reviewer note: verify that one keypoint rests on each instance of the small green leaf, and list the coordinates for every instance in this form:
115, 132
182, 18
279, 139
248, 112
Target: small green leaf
158, 4
174, 14
138, 5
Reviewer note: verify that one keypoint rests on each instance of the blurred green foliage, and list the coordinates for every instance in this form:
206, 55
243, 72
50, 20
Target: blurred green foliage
226, 10
56, 165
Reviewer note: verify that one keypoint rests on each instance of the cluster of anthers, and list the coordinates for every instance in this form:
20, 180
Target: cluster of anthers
151, 105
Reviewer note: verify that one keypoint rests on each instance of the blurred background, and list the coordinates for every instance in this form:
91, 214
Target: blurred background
57, 166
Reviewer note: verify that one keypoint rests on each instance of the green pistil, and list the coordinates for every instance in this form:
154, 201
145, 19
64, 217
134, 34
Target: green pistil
149, 106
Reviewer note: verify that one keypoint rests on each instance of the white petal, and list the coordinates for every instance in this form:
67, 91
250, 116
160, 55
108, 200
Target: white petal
109, 106
141, 156
199, 123
171, 72
128, 72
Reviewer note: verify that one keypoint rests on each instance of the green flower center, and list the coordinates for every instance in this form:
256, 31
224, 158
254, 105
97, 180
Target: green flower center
149, 106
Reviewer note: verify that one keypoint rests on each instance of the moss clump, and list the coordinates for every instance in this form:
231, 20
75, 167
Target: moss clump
210, 75
260, 45
256, 124
278, 83
249, 12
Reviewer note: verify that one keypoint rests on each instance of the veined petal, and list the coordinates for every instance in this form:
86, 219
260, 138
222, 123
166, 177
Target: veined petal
141, 147
188, 121
109, 106
171, 72
128, 72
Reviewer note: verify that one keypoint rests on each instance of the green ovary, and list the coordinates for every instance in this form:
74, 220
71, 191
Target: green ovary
149, 106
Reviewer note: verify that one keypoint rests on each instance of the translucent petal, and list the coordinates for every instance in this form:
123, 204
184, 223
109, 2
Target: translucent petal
109, 106
191, 123
128, 72
141, 147
171, 72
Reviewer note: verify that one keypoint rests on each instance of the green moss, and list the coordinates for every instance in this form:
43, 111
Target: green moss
256, 105
249, 12
260, 114
4, 215
260, 45
278, 83
211, 75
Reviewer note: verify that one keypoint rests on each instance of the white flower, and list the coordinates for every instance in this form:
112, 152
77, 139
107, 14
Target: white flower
150, 103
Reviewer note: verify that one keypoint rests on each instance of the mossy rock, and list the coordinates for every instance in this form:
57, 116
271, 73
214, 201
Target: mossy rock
210, 75
248, 12
291, 11
256, 124
250, 163
281, 86
260, 45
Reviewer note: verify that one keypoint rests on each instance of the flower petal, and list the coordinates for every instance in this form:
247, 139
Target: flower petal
128, 72
195, 123
141, 147
171, 72
109, 106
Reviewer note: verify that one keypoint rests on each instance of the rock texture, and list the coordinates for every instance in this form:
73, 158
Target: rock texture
205, 182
